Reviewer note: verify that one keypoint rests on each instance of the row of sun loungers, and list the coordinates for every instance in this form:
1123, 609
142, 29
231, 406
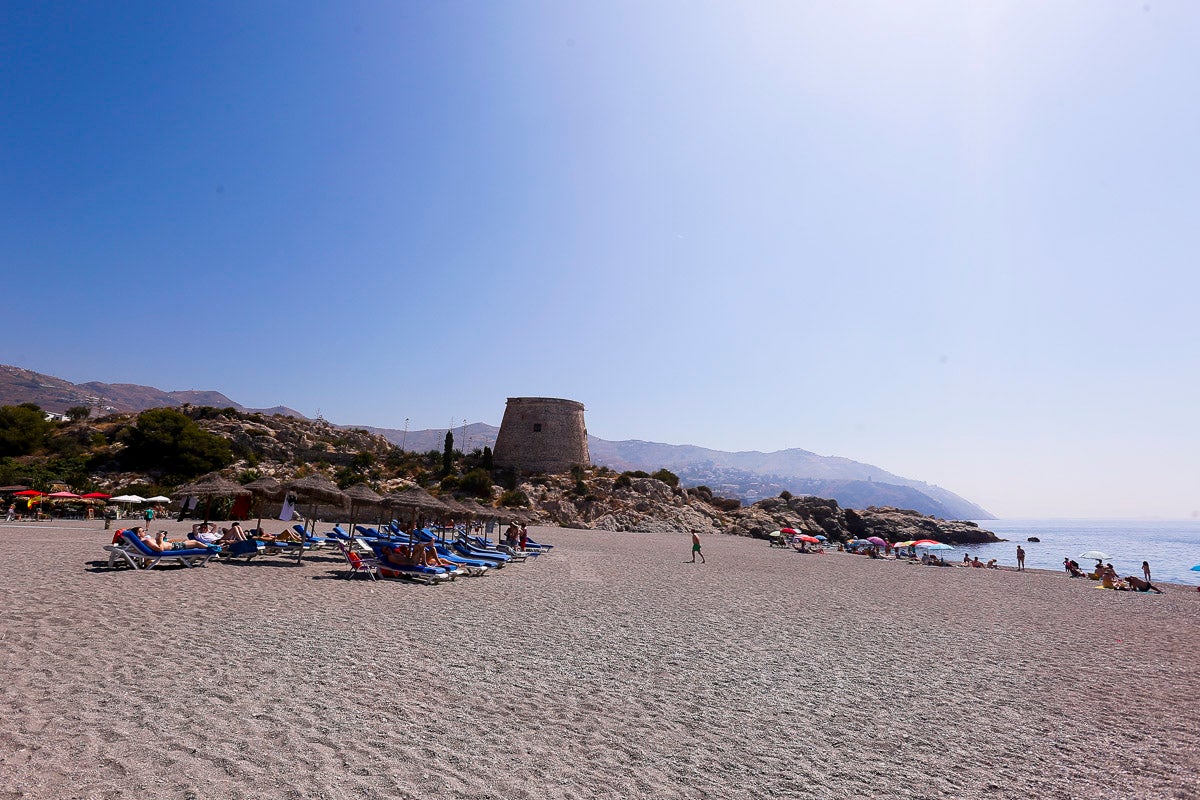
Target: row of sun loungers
424, 556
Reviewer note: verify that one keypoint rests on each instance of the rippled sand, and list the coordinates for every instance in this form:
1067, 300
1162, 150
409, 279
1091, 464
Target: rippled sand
610, 668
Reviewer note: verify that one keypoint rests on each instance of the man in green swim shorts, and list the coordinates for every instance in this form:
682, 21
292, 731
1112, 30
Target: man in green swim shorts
696, 548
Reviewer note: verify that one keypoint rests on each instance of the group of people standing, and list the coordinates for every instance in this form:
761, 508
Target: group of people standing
516, 536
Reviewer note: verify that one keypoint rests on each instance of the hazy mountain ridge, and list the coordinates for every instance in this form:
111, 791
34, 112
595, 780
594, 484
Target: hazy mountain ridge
18, 385
748, 475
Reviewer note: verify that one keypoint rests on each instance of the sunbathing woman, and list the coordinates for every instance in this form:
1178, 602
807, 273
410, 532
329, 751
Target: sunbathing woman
233, 533
1109, 580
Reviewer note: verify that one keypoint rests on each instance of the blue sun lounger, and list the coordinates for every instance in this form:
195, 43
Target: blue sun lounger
133, 550
435, 573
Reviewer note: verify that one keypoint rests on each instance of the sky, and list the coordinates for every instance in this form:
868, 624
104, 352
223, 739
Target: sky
955, 240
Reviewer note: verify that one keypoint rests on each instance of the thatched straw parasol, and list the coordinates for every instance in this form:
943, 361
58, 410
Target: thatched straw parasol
416, 498
265, 488
316, 489
480, 510
458, 510
361, 495
210, 486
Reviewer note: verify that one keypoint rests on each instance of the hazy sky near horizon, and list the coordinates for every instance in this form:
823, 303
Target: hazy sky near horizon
955, 240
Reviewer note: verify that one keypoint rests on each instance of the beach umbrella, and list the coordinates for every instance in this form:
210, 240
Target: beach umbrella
96, 496
415, 498
920, 542
457, 511
875, 540
935, 546
158, 499
29, 493
788, 531
264, 489
361, 495
128, 498
1096, 554
317, 489
210, 486
821, 538
481, 511
804, 537
64, 496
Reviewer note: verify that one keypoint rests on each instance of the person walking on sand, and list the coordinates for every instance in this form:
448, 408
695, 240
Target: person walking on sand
696, 548
12, 512
1020, 558
1146, 570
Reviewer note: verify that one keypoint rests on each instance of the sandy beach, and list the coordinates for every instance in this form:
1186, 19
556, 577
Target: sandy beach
609, 668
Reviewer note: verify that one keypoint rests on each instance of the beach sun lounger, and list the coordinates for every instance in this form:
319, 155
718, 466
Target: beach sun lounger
360, 565
137, 554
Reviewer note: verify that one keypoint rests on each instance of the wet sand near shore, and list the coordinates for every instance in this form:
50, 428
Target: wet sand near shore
608, 668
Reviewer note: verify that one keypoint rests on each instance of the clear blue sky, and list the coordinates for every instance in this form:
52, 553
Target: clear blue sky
956, 240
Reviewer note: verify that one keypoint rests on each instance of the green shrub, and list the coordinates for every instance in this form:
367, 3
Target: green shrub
170, 443
785, 494
623, 481
23, 429
667, 477
450, 483
478, 482
514, 498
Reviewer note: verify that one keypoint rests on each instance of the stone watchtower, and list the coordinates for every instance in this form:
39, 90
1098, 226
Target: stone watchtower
541, 434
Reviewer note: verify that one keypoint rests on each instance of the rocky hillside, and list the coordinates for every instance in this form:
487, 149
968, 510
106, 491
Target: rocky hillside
96, 454
746, 475
606, 502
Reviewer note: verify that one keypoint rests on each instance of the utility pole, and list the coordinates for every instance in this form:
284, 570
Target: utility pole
404, 438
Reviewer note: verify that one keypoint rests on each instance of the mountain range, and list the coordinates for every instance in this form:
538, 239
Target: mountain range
746, 475
19, 385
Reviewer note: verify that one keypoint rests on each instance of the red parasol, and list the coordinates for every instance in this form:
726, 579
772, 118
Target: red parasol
96, 496
29, 493
65, 496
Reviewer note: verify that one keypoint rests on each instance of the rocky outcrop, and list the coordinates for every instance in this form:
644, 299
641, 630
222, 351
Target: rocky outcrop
900, 525
650, 505
646, 505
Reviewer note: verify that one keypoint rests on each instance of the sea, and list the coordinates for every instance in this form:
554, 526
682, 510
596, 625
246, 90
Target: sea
1171, 547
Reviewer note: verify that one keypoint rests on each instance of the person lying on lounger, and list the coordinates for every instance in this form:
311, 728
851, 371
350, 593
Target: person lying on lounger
159, 543
403, 555
233, 533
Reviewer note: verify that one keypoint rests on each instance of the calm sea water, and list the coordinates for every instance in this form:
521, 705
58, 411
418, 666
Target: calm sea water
1172, 548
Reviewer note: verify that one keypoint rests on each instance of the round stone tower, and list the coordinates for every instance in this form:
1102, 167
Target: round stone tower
541, 434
